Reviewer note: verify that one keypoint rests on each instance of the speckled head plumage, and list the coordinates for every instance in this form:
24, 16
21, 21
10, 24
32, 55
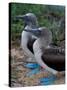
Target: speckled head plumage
43, 34
29, 19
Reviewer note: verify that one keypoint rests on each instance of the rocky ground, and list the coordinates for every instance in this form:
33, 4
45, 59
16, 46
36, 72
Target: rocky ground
19, 72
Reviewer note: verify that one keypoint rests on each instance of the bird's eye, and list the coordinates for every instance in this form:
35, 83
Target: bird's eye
27, 18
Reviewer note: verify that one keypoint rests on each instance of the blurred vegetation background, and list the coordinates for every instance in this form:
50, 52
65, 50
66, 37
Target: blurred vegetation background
50, 16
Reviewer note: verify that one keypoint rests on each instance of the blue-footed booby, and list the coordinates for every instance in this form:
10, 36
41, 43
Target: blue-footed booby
27, 39
50, 57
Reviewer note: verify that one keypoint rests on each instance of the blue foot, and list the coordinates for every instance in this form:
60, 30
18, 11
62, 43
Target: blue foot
33, 72
31, 65
47, 80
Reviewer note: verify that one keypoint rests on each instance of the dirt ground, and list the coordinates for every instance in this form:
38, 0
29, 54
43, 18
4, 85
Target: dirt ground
19, 72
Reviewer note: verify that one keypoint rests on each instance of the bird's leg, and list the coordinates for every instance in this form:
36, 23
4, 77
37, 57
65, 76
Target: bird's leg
31, 59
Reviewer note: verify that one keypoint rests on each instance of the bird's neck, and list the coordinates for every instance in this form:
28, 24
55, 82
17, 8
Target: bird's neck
43, 42
32, 25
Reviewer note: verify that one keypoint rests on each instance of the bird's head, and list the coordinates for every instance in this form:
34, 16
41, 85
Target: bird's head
29, 19
42, 33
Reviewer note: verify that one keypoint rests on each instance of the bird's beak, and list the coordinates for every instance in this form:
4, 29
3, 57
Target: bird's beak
35, 32
20, 17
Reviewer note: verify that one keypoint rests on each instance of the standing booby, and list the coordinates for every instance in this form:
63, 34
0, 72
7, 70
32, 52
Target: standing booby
49, 57
27, 39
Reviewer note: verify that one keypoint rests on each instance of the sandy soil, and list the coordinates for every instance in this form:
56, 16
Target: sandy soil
19, 72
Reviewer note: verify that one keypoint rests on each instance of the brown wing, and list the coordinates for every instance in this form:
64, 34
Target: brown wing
54, 59
30, 44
